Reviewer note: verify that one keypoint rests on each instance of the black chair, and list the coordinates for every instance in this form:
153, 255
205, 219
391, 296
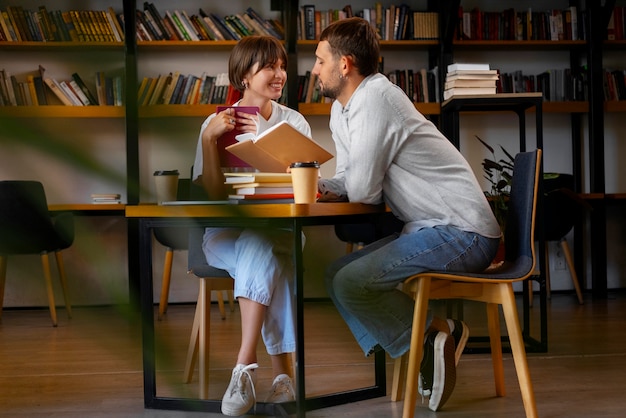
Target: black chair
177, 239
360, 235
494, 287
562, 208
26, 227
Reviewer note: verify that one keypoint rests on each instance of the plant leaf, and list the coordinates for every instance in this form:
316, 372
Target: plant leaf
485, 144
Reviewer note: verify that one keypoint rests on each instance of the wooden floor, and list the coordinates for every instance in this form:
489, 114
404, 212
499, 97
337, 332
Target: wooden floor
90, 366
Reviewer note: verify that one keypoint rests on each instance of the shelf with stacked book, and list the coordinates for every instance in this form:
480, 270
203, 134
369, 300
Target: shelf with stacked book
518, 44
59, 46
62, 111
323, 109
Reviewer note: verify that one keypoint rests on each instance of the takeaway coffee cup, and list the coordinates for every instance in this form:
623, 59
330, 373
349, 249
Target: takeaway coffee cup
166, 182
304, 177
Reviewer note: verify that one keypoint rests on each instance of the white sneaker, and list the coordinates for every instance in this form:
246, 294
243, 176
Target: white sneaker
240, 395
282, 390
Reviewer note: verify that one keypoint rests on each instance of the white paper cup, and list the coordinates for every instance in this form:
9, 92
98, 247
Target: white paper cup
166, 183
304, 176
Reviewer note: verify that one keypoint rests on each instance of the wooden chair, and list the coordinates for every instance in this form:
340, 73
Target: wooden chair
211, 278
494, 287
26, 227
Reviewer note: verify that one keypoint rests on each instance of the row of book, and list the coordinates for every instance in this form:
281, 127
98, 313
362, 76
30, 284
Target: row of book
464, 79
521, 25
177, 88
616, 28
396, 22
20, 25
40, 90
152, 25
557, 85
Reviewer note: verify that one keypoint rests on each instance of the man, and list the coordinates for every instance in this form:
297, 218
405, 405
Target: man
388, 152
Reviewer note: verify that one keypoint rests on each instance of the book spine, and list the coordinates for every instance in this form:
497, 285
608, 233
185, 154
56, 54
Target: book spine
154, 12
176, 19
40, 90
83, 87
309, 21
116, 24
56, 89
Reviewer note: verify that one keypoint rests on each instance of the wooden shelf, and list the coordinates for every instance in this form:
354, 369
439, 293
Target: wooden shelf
385, 45
615, 106
176, 110
76, 46
61, 111
519, 45
321, 109
177, 45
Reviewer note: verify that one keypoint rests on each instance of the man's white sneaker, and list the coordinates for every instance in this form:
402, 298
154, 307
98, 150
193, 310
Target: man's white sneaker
282, 390
240, 395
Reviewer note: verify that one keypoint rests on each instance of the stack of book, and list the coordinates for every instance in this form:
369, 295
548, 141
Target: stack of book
470, 79
260, 187
105, 198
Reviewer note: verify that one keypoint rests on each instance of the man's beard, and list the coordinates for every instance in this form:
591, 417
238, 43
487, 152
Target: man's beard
333, 91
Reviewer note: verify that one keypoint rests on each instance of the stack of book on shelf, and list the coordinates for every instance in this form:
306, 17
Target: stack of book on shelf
106, 198
259, 187
469, 79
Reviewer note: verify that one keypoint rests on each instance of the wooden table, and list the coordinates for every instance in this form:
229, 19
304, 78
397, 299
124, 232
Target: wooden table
293, 216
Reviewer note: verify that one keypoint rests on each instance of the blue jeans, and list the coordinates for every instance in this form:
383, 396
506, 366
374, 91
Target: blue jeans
364, 285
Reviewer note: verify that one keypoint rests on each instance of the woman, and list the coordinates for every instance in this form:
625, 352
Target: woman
259, 260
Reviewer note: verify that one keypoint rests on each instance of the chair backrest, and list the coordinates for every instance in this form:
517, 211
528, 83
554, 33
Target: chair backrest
520, 226
25, 223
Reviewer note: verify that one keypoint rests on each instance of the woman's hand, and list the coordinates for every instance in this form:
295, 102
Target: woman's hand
246, 122
222, 122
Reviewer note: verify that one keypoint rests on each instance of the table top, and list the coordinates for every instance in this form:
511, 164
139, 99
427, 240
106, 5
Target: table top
266, 210
86, 207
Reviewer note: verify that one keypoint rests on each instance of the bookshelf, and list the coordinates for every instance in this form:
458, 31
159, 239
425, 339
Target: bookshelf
133, 141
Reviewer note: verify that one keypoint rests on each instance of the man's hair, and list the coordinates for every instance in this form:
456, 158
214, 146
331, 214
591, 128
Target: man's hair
264, 50
356, 38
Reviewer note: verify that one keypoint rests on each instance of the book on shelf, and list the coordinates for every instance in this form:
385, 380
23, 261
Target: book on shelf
83, 87
277, 147
467, 91
470, 83
472, 75
257, 177
104, 198
55, 87
458, 66
264, 190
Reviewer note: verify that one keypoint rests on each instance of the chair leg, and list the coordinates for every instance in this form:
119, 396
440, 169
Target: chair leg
493, 324
3, 276
220, 304
572, 271
511, 318
422, 291
45, 262
231, 299
192, 350
63, 279
165, 285
399, 378
204, 336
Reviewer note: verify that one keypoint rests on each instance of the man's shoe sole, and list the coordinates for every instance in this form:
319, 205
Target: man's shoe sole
444, 378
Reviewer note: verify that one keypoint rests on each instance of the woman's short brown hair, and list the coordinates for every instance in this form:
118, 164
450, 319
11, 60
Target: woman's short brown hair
354, 37
264, 50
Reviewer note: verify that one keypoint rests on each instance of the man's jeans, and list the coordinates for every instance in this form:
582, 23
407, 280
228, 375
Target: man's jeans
364, 285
